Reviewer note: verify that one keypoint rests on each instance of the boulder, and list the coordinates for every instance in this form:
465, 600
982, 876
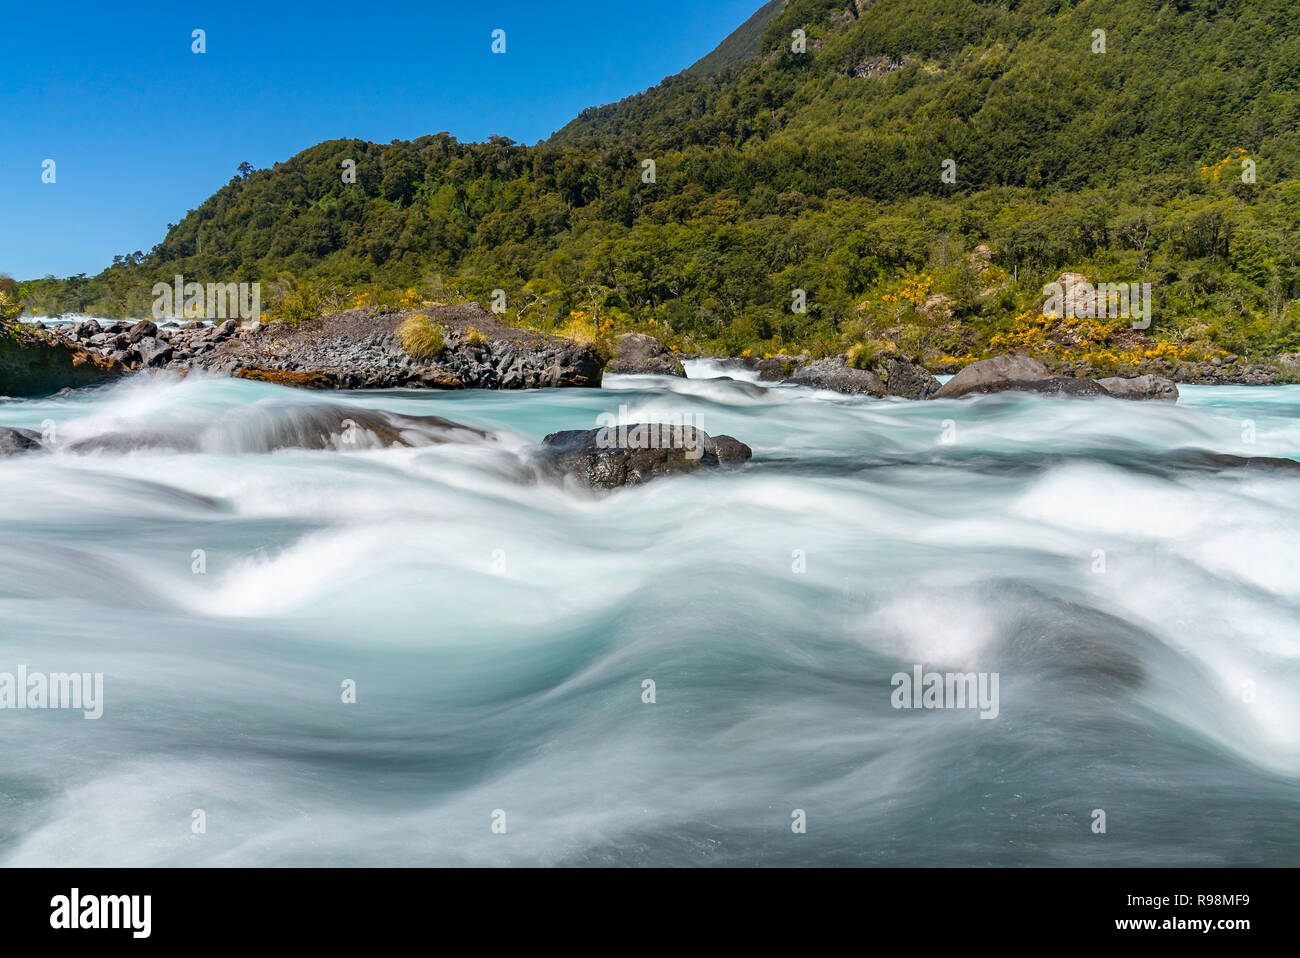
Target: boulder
738, 386
731, 449
629, 455
154, 352
999, 369
639, 354
1141, 387
141, 330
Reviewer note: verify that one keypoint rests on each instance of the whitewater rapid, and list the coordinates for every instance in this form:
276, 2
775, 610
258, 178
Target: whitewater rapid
1139, 603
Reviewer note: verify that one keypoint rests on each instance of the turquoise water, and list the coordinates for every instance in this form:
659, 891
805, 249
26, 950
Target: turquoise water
499, 627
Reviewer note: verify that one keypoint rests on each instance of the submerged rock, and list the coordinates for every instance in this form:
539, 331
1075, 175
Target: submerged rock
626, 456
738, 386
1051, 386
260, 428
14, 440
731, 449
1204, 459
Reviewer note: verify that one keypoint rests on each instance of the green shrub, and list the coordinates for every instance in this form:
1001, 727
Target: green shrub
421, 337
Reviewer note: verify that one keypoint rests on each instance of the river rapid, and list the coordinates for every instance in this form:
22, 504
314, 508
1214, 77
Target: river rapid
699, 671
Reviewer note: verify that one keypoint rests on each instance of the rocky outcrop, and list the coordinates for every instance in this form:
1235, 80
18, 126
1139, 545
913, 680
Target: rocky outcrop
34, 362
358, 349
639, 354
1141, 387
611, 457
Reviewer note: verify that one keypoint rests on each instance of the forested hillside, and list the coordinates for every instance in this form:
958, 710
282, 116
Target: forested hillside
1172, 158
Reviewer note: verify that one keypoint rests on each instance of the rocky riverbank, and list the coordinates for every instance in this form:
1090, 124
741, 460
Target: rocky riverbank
37, 362
358, 349
362, 349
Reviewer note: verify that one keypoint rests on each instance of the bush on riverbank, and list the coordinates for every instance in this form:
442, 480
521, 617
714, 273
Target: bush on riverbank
421, 337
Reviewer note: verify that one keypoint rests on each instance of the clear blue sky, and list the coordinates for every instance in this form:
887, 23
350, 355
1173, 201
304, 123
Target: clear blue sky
142, 129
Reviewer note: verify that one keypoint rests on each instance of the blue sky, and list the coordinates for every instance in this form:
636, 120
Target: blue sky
142, 129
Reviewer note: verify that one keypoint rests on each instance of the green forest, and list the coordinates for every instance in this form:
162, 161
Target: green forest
917, 168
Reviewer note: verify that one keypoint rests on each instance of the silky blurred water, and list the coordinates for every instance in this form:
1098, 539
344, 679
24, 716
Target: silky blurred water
499, 626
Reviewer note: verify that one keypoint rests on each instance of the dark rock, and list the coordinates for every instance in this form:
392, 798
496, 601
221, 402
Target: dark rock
731, 449
986, 372
1051, 386
140, 330
906, 380
739, 386
837, 375
639, 354
630, 455
85, 329
1204, 459
14, 440
153, 353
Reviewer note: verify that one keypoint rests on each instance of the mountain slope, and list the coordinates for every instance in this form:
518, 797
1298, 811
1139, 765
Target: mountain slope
743, 43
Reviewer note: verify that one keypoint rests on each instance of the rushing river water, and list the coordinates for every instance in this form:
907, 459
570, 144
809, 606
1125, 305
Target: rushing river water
1138, 604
